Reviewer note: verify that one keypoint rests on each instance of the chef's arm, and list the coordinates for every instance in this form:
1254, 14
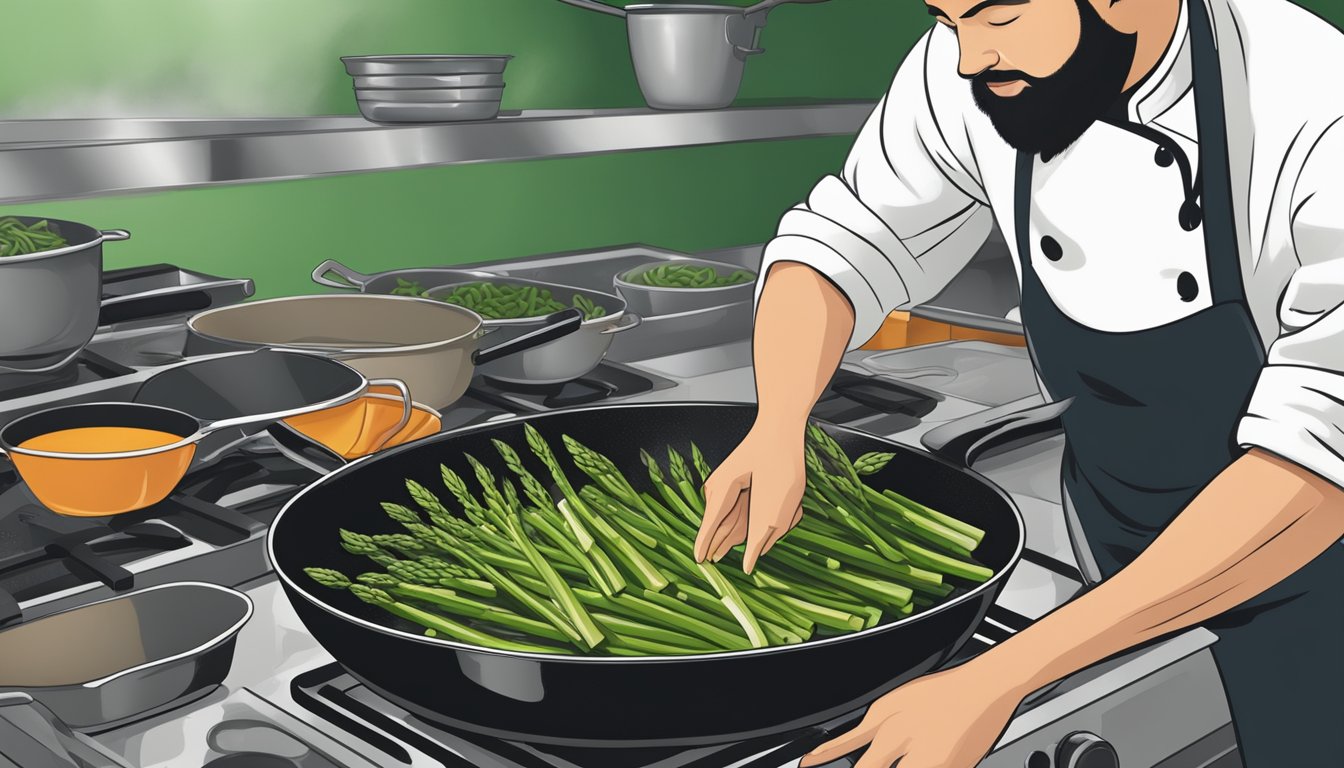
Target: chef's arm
1259, 521
803, 324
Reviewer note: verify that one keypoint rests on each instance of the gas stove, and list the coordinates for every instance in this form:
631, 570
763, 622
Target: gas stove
286, 703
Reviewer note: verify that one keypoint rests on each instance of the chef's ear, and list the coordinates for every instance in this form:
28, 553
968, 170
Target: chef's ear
1130, 16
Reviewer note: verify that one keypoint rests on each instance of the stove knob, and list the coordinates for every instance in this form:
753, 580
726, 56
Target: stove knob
1086, 750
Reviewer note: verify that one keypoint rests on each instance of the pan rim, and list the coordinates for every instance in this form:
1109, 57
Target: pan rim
359, 351
249, 609
999, 576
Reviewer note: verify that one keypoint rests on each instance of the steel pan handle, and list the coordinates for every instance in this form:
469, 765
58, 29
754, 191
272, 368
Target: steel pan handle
115, 234
595, 6
405, 394
353, 279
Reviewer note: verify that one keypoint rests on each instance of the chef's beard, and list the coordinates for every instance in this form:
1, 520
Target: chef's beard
1049, 115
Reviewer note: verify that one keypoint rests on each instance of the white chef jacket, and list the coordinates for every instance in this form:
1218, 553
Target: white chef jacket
928, 175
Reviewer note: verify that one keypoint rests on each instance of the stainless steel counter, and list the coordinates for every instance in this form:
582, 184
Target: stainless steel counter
48, 159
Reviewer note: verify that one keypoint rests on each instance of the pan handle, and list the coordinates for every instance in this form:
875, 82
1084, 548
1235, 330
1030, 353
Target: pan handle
405, 410
742, 50
353, 279
112, 235
965, 440
558, 324
595, 6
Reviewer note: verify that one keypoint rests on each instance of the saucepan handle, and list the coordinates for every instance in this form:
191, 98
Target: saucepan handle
115, 234
627, 321
558, 324
352, 278
741, 50
405, 393
595, 6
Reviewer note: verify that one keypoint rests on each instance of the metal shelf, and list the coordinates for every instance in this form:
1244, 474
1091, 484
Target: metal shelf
54, 159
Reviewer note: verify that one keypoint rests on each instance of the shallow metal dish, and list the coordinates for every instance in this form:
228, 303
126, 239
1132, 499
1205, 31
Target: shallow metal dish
650, 300
379, 82
430, 95
447, 112
108, 663
426, 64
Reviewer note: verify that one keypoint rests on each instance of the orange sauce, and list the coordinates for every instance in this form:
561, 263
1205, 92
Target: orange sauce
100, 440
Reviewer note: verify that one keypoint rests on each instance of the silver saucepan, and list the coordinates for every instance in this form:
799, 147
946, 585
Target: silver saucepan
50, 300
690, 56
432, 346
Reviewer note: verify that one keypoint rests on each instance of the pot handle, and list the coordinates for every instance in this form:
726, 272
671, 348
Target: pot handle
405, 393
728, 35
353, 279
766, 5
630, 320
115, 234
558, 324
595, 6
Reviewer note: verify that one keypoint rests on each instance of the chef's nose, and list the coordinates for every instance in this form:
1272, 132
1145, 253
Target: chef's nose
976, 56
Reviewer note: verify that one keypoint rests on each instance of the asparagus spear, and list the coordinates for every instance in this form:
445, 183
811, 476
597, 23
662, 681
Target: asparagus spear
447, 599
444, 626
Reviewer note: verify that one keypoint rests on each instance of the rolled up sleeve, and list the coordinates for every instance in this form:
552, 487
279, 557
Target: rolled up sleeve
1296, 410
904, 216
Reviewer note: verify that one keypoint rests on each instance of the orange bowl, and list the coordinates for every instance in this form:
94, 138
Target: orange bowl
100, 459
361, 426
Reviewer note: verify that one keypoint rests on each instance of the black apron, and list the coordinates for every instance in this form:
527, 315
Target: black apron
1153, 420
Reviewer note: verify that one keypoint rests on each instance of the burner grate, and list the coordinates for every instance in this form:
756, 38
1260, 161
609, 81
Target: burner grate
42, 552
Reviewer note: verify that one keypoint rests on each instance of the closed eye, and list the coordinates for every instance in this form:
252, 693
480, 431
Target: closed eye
1004, 23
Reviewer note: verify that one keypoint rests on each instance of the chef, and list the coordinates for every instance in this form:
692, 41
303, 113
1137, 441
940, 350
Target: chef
1169, 175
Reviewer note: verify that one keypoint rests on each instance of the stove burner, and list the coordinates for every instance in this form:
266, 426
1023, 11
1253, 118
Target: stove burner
87, 366
606, 381
42, 552
576, 392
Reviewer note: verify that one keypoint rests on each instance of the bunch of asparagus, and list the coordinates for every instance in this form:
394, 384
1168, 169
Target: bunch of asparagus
608, 568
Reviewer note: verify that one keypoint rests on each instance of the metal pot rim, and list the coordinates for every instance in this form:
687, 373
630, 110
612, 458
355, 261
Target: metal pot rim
99, 237
622, 283
728, 10
522, 321
1000, 576
249, 608
367, 351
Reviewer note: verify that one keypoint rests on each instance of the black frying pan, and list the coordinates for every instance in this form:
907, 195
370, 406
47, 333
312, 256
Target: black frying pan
615, 701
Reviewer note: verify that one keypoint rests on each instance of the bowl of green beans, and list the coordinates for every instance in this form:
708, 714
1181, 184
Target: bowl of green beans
684, 285
510, 307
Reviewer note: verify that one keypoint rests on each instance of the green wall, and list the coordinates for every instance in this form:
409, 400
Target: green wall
686, 199
261, 58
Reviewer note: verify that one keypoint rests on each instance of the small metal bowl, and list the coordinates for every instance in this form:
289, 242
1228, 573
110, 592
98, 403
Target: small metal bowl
426, 64
382, 111
648, 300
109, 663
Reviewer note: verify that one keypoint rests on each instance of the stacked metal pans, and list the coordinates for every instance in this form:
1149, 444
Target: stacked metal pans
427, 88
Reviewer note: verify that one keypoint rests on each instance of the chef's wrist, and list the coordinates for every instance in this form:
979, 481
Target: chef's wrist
780, 423
1010, 670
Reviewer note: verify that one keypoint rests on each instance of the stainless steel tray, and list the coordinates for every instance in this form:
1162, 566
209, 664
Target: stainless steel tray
115, 661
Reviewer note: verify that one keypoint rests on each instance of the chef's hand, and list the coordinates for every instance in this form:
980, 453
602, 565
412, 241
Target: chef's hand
755, 496
949, 719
